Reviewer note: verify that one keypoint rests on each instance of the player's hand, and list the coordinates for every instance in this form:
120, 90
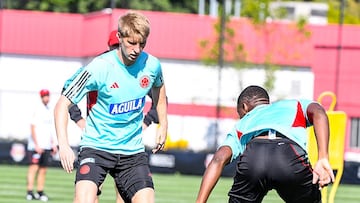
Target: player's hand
160, 139
323, 173
67, 158
38, 150
158, 147
54, 150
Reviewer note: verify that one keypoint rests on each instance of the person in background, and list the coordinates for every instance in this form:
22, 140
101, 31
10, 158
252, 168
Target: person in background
269, 142
41, 145
113, 41
111, 142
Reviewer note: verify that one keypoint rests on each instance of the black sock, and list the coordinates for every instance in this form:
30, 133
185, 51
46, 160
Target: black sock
29, 192
40, 193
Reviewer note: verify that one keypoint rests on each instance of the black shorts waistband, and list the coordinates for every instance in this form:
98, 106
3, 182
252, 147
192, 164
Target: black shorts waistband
277, 134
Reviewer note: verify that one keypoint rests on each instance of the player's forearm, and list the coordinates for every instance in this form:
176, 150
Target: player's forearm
161, 108
61, 121
322, 138
321, 130
211, 176
213, 172
33, 135
81, 123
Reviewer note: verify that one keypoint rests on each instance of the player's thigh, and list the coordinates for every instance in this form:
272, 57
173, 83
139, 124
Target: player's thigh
118, 196
85, 191
93, 165
146, 195
233, 199
309, 193
294, 180
132, 175
250, 184
33, 157
45, 159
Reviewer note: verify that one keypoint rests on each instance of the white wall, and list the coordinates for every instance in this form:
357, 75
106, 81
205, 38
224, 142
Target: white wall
21, 79
187, 82
192, 82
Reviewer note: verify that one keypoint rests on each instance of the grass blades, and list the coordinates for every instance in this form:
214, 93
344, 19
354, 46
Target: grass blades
170, 188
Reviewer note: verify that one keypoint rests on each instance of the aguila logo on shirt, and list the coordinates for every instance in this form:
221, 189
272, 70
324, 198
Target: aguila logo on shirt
144, 81
127, 106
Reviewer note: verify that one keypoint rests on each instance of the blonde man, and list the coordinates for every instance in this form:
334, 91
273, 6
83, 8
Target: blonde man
112, 140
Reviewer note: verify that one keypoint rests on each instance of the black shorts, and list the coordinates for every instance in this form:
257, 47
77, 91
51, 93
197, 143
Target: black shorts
130, 172
278, 164
43, 160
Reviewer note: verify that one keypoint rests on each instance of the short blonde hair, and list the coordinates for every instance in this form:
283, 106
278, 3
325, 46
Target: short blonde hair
134, 23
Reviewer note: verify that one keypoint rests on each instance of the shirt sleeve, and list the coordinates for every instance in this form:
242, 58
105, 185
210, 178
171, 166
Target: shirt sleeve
304, 105
68, 81
85, 80
233, 142
34, 117
159, 80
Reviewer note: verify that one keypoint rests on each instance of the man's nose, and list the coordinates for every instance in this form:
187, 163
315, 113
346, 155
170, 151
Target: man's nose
137, 48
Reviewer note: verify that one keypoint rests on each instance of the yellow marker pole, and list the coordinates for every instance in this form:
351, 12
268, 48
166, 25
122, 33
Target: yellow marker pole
337, 125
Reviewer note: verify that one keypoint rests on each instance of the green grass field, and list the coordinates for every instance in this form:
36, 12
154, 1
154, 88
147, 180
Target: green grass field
169, 188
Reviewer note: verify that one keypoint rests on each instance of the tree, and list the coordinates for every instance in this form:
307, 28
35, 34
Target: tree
229, 48
351, 14
351, 11
236, 55
86, 6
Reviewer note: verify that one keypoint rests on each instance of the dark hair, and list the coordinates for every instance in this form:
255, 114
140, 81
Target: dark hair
252, 93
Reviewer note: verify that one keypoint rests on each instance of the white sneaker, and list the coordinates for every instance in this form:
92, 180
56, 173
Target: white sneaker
36, 196
30, 197
43, 198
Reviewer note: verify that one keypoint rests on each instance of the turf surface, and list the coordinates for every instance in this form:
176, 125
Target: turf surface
169, 188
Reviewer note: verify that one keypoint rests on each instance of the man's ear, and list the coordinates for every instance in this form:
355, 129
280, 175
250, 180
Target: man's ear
118, 36
245, 106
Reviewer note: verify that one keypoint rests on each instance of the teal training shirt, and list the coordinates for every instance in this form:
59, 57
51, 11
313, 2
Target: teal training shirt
114, 121
287, 117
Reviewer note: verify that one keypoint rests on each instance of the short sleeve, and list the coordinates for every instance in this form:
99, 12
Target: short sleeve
304, 105
233, 142
68, 81
84, 80
159, 80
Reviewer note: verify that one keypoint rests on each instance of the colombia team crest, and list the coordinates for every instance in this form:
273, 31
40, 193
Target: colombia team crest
145, 81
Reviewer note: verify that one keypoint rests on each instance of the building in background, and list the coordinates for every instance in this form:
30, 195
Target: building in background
313, 12
56, 45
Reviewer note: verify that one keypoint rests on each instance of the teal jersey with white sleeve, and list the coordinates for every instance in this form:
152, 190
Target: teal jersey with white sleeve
69, 80
114, 121
287, 117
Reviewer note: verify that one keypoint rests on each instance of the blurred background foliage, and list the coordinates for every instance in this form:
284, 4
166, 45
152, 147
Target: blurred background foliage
255, 9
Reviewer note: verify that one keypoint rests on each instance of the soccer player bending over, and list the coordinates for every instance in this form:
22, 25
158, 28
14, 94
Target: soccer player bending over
269, 143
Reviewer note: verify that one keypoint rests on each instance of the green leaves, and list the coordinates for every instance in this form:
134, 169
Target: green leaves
87, 6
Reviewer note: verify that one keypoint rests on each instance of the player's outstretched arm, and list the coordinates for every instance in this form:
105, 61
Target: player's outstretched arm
322, 173
213, 172
66, 154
